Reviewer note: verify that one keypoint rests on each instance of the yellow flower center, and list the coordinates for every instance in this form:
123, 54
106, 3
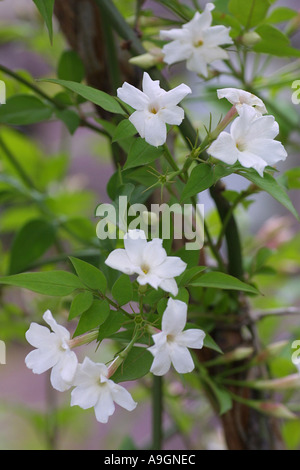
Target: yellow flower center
145, 269
241, 146
198, 43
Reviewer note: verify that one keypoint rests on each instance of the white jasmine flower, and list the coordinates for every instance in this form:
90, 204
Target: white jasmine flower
239, 97
250, 141
197, 42
155, 108
93, 389
52, 351
172, 343
149, 260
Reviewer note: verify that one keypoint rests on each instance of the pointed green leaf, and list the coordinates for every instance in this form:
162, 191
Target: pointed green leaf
93, 317
218, 280
98, 97
45, 8
53, 283
122, 290
91, 276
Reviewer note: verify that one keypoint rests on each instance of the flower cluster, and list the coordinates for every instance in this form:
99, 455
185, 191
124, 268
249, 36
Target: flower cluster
93, 386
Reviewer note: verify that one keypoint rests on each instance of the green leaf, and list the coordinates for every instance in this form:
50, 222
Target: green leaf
93, 317
69, 118
136, 365
31, 242
269, 184
274, 42
70, 67
201, 178
249, 13
80, 304
210, 343
53, 283
141, 153
218, 280
223, 397
122, 290
112, 324
45, 8
190, 274
124, 130
280, 14
98, 97
22, 110
91, 276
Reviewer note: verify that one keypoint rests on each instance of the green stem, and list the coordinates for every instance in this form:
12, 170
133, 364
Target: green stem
15, 163
157, 413
53, 101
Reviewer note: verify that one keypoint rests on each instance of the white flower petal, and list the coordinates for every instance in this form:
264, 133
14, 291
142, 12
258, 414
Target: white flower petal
239, 97
59, 330
201, 21
150, 87
68, 366
161, 363
138, 119
118, 259
181, 359
196, 63
155, 131
192, 338
38, 335
154, 254
122, 397
104, 407
135, 243
57, 382
151, 279
224, 149
217, 35
250, 160
176, 51
177, 34
174, 317
264, 127
85, 396
171, 267
271, 151
174, 96
41, 361
133, 96
210, 54
169, 285
173, 115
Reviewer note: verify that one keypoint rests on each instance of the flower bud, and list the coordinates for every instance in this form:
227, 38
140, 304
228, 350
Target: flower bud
149, 59
239, 354
276, 410
250, 38
271, 351
284, 383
